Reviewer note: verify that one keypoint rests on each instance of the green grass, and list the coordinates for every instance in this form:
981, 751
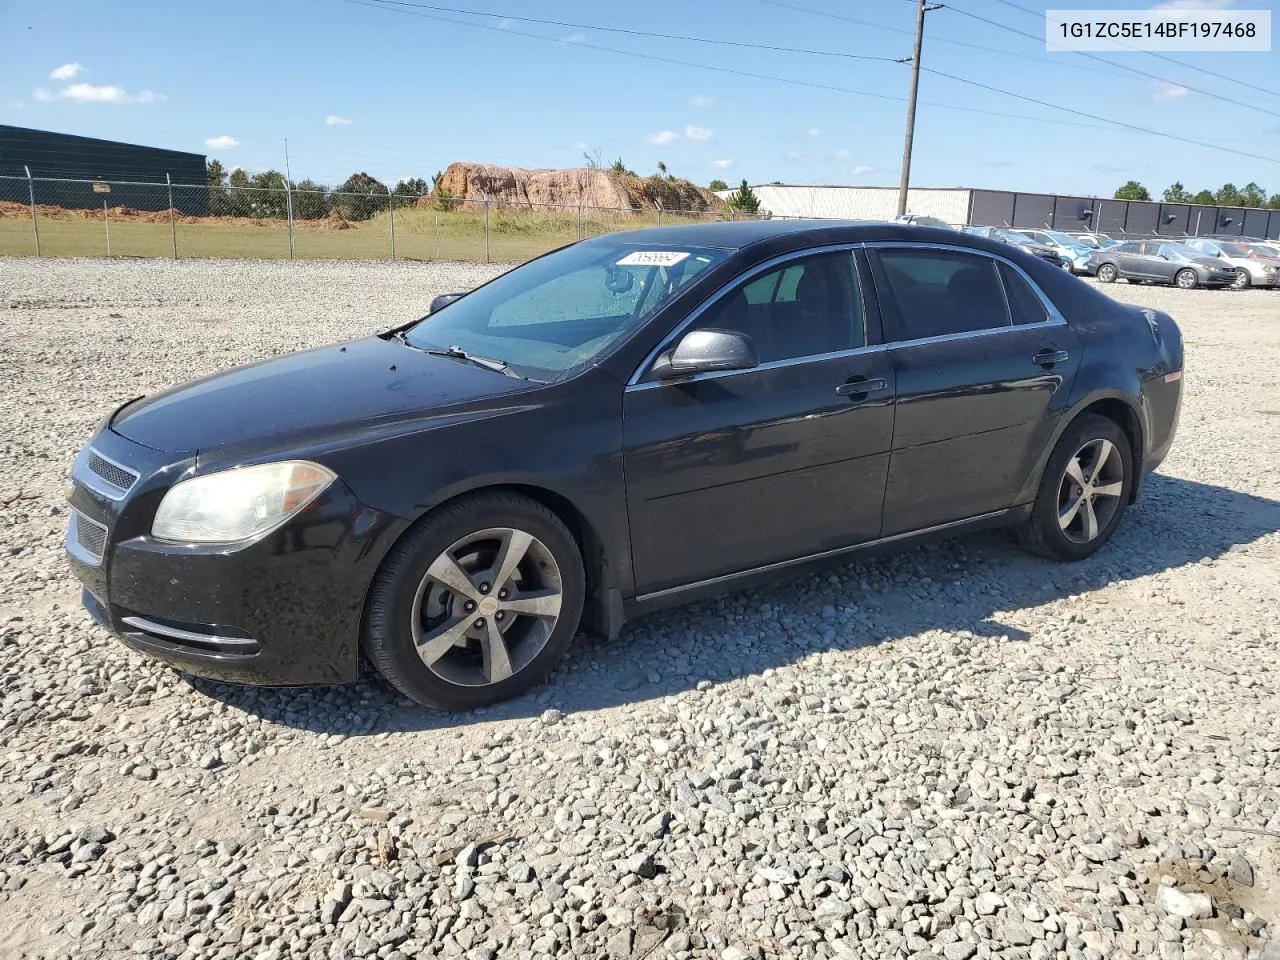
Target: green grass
420, 234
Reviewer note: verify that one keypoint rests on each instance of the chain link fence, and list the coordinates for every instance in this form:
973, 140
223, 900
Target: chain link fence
85, 218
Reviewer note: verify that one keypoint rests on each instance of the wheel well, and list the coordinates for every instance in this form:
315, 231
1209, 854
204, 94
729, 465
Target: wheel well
1122, 414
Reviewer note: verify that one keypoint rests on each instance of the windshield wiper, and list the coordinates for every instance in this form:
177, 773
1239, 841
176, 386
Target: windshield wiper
489, 363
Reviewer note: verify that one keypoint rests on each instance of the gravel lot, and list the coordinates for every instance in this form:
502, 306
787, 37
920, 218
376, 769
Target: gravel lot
959, 751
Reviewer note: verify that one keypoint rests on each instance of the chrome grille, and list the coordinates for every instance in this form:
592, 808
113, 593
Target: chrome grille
87, 538
111, 473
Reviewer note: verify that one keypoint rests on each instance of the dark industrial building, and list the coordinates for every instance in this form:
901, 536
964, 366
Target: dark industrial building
136, 174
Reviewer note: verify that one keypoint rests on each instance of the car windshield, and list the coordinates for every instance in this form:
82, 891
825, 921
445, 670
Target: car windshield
555, 314
1234, 250
1266, 249
1013, 236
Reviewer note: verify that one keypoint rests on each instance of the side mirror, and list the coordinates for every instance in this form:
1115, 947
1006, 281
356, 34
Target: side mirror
442, 301
703, 351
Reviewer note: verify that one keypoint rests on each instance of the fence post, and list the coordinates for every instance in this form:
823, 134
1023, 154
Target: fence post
435, 225
288, 209
106, 227
487, 258
659, 206
35, 224
579, 219
391, 210
173, 227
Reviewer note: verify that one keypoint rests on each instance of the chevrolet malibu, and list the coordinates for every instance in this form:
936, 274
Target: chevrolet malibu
627, 423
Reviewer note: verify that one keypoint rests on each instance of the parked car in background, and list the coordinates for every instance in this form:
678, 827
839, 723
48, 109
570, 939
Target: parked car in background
1019, 239
1252, 269
1157, 261
1098, 241
1069, 248
628, 423
922, 220
1263, 248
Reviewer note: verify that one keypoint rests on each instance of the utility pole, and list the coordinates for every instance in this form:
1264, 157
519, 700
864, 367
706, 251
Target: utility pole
921, 9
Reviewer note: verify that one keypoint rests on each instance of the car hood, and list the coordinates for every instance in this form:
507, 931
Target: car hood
1213, 263
308, 395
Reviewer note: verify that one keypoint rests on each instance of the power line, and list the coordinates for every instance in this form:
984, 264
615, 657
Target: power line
1122, 66
378, 5
1081, 113
632, 32
955, 43
1153, 53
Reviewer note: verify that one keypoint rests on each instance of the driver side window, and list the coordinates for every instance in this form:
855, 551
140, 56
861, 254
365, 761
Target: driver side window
805, 307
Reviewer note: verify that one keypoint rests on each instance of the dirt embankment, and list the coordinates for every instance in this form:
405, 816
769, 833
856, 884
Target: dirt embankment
571, 188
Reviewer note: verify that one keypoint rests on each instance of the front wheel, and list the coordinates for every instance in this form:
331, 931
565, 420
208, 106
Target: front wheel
477, 603
1186, 279
1242, 280
1084, 491
1107, 273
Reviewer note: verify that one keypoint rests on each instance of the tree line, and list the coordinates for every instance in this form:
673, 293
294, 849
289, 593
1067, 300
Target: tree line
359, 197
1228, 195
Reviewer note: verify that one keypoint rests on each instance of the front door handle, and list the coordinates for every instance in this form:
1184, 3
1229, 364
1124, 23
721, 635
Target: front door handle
1047, 358
857, 388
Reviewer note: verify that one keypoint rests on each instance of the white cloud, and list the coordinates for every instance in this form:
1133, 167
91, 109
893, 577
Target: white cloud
90, 93
843, 154
333, 120
813, 133
698, 133
722, 164
1169, 91
580, 145
862, 168
663, 137
68, 71
223, 142
574, 38
700, 100
1176, 6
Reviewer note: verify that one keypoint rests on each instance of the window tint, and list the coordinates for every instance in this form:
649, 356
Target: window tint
1024, 304
940, 292
803, 308
1129, 248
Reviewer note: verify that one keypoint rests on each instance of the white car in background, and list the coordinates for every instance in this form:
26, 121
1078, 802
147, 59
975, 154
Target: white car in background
1252, 269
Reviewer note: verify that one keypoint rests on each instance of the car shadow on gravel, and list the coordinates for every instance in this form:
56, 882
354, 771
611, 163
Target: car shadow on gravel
955, 585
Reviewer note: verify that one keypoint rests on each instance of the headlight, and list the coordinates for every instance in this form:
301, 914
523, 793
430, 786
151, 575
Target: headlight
241, 504
1268, 269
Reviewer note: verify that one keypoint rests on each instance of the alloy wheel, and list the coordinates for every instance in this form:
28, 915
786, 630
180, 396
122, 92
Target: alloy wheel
1090, 491
1107, 273
1186, 279
487, 606
1241, 281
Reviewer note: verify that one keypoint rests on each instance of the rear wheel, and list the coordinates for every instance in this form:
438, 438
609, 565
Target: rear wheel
1107, 273
1186, 279
477, 603
1084, 491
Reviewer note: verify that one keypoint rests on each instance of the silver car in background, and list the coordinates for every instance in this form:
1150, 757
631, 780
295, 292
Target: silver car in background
1253, 269
1158, 261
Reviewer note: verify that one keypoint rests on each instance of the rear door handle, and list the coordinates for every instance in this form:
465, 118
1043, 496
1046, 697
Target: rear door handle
858, 387
1048, 358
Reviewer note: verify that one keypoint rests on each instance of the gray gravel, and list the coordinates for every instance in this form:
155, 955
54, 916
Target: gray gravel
959, 751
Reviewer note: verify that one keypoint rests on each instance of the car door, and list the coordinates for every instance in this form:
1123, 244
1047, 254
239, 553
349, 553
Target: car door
1126, 257
1163, 264
730, 471
983, 364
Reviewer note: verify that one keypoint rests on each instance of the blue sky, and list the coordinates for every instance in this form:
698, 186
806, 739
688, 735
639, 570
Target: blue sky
358, 88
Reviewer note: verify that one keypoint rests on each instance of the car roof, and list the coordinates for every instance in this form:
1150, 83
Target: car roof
735, 235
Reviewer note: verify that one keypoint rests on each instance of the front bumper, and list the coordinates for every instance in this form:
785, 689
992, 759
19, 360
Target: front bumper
283, 610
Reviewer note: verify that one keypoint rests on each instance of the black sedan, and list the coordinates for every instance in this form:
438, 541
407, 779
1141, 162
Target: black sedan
627, 423
1159, 261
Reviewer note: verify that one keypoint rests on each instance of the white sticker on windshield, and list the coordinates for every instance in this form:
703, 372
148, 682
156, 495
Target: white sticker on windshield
652, 258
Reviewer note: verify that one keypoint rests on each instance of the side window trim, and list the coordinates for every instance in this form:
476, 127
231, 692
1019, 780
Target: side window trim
729, 286
1055, 315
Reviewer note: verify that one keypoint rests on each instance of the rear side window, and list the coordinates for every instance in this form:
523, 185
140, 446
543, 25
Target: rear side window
941, 292
1024, 304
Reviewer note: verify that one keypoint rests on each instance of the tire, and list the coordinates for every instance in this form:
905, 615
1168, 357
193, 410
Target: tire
1107, 273
1243, 281
1087, 438
431, 594
1186, 279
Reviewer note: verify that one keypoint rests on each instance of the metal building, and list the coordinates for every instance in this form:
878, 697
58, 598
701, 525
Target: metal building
963, 206
137, 173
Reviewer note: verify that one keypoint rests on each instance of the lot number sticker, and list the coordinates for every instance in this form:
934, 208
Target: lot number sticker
652, 258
